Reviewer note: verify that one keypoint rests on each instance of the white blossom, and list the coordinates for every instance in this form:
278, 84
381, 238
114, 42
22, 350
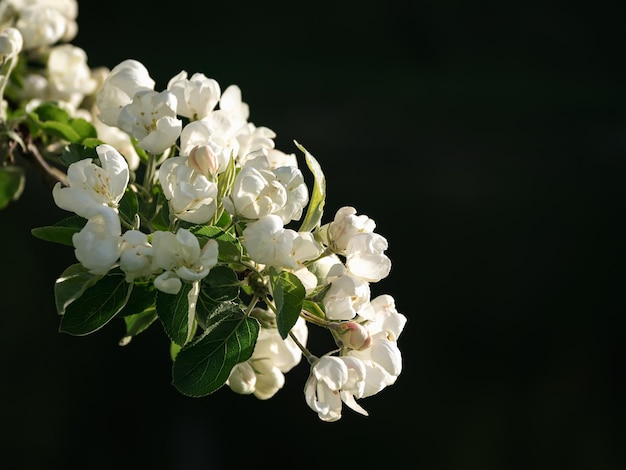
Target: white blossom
213, 133
196, 96
181, 258
151, 119
268, 242
41, 26
119, 87
345, 296
191, 195
263, 374
334, 380
97, 245
365, 257
136, 255
69, 76
91, 186
382, 359
344, 226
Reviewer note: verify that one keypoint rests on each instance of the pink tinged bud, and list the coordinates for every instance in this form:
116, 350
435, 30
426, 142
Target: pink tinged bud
202, 159
354, 336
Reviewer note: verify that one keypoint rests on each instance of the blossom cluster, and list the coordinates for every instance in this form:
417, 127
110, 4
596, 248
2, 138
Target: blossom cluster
208, 193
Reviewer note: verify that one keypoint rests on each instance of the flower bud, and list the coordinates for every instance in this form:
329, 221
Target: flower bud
354, 336
202, 159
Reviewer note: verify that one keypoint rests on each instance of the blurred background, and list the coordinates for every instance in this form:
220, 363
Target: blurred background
488, 142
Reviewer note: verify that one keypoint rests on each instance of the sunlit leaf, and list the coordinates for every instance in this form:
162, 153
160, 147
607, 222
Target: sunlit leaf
203, 366
97, 306
288, 293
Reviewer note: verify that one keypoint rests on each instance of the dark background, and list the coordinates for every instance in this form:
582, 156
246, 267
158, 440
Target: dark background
487, 141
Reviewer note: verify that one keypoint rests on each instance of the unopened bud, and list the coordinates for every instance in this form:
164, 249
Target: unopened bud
354, 336
202, 159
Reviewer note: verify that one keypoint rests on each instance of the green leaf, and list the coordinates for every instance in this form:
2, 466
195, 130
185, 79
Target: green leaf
143, 297
84, 129
61, 130
50, 112
97, 306
220, 285
62, 231
318, 196
129, 206
74, 152
288, 293
229, 248
137, 323
12, 181
174, 312
71, 285
204, 365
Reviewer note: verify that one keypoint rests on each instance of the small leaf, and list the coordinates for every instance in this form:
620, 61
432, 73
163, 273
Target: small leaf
71, 285
62, 231
74, 152
143, 297
318, 197
229, 248
97, 306
50, 112
12, 182
84, 129
204, 365
173, 310
129, 206
61, 130
220, 285
137, 323
288, 293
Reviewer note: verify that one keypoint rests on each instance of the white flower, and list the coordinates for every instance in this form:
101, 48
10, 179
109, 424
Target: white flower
196, 96
297, 192
11, 44
253, 140
181, 257
119, 87
267, 242
345, 296
41, 26
151, 119
209, 133
231, 103
263, 373
97, 245
190, 194
69, 76
382, 359
344, 226
334, 380
92, 186
136, 255
255, 193
365, 257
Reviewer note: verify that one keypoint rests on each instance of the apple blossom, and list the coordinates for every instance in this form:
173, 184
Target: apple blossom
151, 119
91, 186
365, 257
345, 297
263, 374
196, 96
119, 87
334, 380
69, 76
97, 245
181, 258
136, 255
191, 195
344, 226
